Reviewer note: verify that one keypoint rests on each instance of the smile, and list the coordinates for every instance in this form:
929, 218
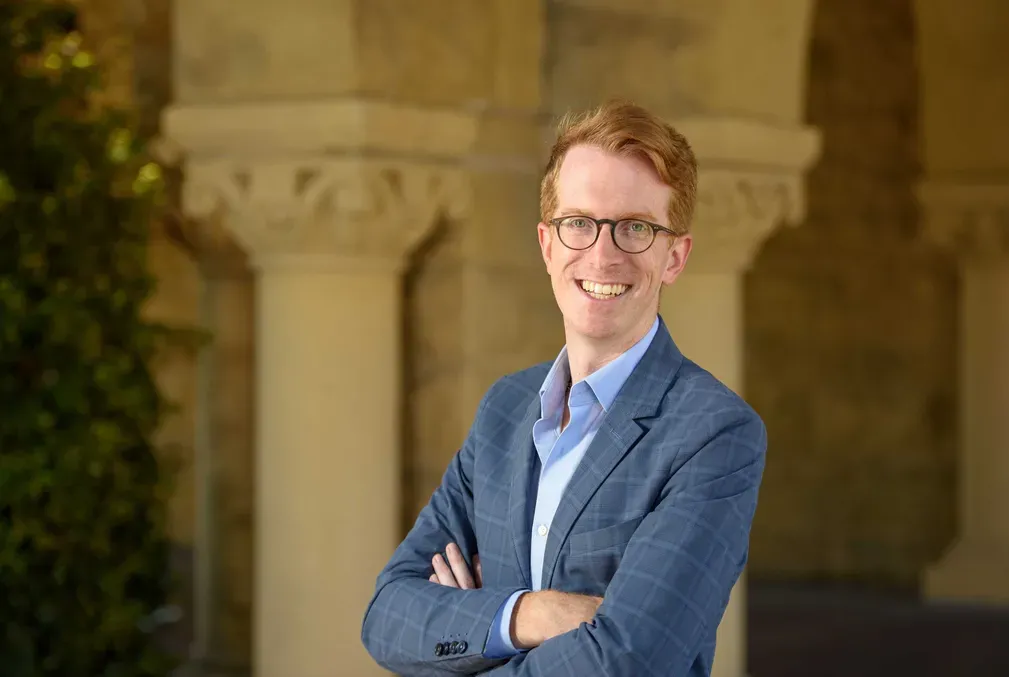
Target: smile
603, 291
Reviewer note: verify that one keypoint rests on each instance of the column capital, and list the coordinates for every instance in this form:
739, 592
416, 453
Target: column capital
969, 218
751, 181
324, 213
306, 183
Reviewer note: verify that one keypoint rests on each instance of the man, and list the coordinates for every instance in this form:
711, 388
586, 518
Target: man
598, 514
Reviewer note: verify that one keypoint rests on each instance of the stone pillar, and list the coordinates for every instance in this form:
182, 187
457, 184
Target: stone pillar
277, 108
751, 181
973, 221
328, 237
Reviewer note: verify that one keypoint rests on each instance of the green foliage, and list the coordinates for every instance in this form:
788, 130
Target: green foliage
83, 496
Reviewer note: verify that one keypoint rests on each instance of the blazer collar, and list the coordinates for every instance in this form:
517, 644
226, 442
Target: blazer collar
638, 399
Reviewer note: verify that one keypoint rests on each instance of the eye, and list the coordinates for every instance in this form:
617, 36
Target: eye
577, 222
637, 227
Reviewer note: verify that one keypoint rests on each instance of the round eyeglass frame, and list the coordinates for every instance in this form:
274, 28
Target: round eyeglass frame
598, 223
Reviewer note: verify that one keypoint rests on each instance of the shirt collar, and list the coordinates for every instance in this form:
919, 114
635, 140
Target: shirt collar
604, 383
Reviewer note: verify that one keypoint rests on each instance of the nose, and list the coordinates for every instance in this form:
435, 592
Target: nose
605, 251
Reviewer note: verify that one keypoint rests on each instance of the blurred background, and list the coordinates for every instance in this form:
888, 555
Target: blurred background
354, 194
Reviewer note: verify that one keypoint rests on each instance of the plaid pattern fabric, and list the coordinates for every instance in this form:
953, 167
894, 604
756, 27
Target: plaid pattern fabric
656, 519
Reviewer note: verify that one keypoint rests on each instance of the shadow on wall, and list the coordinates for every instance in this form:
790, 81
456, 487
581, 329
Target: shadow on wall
175, 627
851, 328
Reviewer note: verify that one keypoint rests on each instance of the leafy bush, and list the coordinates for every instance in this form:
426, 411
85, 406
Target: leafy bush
83, 496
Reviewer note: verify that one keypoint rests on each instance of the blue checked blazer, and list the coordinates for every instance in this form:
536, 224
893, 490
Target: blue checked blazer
656, 520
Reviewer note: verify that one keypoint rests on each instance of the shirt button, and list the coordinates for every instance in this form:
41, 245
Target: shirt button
542, 530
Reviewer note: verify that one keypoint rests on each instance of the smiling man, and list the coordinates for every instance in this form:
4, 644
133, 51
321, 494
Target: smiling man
598, 514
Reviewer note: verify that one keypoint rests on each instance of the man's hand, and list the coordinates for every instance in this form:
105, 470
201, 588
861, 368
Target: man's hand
455, 573
545, 614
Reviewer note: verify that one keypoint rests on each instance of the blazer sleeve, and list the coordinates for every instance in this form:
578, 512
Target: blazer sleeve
415, 627
673, 583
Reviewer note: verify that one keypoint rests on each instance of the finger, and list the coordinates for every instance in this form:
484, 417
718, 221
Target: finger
433, 578
477, 571
444, 573
459, 567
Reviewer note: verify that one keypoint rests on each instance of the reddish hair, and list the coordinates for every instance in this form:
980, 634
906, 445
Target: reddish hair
627, 129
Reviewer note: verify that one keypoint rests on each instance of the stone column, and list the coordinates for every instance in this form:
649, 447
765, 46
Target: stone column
973, 221
751, 181
328, 237
270, 104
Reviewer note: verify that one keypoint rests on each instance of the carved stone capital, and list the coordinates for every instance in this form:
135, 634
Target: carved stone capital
325, 212
750, 182
972, 219
737, 211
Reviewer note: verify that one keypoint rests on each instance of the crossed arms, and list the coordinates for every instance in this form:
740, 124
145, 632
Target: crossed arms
537, 616
661, 606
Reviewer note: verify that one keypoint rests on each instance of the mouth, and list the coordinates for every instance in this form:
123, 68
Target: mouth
603, 291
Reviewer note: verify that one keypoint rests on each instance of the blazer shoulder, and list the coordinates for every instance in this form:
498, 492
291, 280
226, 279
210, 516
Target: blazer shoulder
517, 386
507, 399
707, 399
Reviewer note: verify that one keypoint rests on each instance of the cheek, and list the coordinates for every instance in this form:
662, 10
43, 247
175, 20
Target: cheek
560, 259
644, 272
656, 268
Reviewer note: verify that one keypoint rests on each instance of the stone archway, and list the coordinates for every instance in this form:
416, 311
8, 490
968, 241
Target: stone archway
863, 386
849, 326
964, 49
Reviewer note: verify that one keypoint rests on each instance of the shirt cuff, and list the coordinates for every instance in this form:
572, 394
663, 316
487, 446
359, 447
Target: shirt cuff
499, 639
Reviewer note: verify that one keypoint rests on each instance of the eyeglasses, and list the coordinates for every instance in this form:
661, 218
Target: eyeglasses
632, 236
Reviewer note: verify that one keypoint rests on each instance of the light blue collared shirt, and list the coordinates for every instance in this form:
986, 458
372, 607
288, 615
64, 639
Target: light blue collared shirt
560, 452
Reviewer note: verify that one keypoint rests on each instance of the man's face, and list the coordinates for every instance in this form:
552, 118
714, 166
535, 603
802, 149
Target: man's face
602, 185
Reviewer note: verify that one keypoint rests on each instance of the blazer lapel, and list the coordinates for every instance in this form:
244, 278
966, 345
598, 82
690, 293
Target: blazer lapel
620, 429
525, 467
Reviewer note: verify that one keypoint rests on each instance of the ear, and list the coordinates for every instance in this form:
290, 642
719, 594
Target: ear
546, 236
676, 258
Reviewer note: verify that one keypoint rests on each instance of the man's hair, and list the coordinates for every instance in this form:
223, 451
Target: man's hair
627, 129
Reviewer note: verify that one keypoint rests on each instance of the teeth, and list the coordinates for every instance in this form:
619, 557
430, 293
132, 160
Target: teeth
600, 290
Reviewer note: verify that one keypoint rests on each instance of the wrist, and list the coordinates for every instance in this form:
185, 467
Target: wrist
541, 615
526, 632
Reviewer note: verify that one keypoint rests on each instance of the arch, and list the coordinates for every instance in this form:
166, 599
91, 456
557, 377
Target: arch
849, 327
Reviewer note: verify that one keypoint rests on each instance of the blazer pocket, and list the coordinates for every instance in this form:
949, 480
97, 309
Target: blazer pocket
585, 543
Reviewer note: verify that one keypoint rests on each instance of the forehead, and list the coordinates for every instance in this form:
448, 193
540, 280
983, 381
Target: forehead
598, 183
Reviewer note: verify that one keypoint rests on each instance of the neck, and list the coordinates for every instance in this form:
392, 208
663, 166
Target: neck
587, 355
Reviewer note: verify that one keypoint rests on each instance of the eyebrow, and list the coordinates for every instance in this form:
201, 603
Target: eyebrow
624, 216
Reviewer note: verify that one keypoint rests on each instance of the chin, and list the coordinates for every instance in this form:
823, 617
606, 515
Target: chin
595, 327
604, 324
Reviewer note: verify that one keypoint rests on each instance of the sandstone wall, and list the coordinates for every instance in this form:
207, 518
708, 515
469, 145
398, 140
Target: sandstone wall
478, 300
